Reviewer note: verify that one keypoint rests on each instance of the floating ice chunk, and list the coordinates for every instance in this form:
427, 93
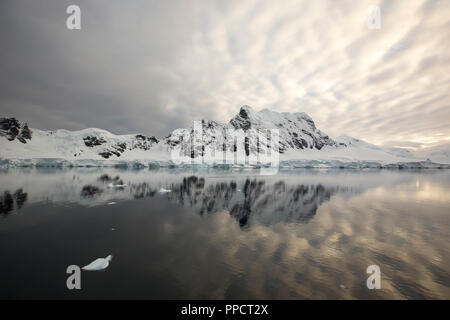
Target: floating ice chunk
162, 190
98, 264
117, 185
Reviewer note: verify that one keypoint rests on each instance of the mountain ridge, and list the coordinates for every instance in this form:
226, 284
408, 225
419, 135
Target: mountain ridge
300, 142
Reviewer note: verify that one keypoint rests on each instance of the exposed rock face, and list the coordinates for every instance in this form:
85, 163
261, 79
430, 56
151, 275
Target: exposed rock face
242, 120
12, 129
116, 150
143, 142
138, 142
93, 141
25, 133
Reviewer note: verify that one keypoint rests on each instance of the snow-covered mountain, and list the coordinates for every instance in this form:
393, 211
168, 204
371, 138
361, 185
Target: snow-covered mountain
300, 144
439, 153
297, 130
87, 144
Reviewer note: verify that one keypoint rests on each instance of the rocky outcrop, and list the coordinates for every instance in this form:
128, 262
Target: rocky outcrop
93, 141
139, 142
116, 150
143, 142
13, 129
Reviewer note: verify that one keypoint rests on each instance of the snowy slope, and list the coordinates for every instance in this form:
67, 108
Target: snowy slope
439, 153
300, 144
356, 153
79, 146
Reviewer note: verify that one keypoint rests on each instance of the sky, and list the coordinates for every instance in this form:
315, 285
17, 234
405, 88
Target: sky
152, 66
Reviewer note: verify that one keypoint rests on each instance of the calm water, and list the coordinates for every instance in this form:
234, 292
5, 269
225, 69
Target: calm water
300, 234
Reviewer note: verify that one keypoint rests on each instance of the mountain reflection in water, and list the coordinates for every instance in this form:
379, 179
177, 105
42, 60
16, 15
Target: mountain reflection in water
225, 234
252, 198
10, 201
269, 202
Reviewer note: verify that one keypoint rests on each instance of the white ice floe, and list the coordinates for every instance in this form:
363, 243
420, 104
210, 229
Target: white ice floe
117, 185
98, 264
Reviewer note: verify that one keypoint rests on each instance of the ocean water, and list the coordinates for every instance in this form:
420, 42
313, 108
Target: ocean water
225, 234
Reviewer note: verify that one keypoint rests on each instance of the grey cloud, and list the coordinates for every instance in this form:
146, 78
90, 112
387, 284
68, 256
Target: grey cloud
152, 66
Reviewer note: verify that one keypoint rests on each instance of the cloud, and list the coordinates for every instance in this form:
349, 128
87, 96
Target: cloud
153, 66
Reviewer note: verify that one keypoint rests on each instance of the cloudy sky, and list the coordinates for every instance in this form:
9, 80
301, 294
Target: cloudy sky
153, 66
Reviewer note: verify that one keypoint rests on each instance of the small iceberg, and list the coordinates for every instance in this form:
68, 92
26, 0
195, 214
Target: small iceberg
98, 264
162, 190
